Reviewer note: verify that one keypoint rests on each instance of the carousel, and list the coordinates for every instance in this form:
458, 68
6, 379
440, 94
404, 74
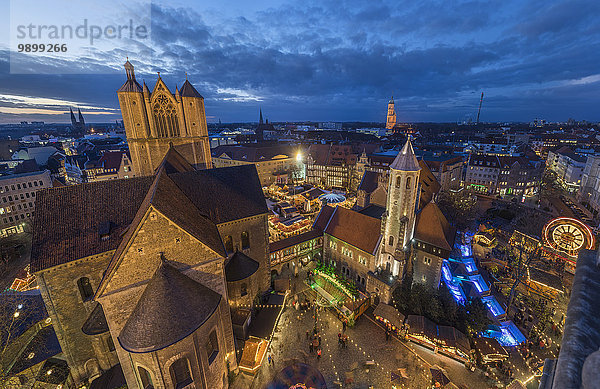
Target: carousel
298, 376
564, 237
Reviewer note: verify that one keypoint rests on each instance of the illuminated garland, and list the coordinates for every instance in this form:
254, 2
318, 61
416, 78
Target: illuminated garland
333, 280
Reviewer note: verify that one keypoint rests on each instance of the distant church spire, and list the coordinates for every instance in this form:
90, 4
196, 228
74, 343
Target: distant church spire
73, 120
260, 120
81, 121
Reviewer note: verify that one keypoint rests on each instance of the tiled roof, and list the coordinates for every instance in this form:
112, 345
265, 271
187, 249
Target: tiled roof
323, 218
239, 267
249, 153
432, 227
428, 183
354, 228
111, 159
171, 308
68, 219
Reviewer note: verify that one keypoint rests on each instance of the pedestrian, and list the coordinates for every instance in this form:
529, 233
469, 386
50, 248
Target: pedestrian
319, 354
319, 339
310, 347
307, 334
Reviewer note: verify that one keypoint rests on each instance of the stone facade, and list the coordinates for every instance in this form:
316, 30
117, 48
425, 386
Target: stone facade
157, 234
427, 264
87, 355
155, 121
349, 261
257, 228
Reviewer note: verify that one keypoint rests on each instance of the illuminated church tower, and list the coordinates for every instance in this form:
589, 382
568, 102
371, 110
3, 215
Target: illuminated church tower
155, 121
399, 219
391, 115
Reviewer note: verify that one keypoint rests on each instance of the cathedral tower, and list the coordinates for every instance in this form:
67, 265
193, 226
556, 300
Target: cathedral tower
155, 121
399, 219
391, 115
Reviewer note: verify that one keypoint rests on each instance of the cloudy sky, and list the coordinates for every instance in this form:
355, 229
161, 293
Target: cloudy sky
322, 60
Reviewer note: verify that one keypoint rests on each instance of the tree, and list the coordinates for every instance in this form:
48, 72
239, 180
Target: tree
458, 207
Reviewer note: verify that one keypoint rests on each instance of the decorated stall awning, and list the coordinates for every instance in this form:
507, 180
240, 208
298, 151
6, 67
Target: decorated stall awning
389, 313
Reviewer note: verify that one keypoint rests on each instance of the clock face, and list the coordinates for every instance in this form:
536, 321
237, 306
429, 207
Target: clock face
568, 235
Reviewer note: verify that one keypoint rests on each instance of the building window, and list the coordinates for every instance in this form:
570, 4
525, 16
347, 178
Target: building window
427, 261
229, 244
243, 290
245, 240
165, 118
391, 241
180, 373
212, 347
85, 288
146, 378
408, 182
398, 181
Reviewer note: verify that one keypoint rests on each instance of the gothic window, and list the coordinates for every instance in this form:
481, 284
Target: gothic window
165, 117
398, 181
146, 378
85, 288
180, 373
212, 347
245, 240
391, 241
229, 244
407, 182
243, 289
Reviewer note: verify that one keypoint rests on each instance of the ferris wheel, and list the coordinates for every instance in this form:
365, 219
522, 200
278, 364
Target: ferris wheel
568, 235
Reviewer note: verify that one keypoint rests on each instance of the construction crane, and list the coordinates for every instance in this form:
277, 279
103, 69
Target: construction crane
479, 110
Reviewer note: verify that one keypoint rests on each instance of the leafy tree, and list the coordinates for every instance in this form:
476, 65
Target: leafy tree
458, 207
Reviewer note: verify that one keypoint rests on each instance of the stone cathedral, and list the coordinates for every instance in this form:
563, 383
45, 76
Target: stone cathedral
155, 121
137, 274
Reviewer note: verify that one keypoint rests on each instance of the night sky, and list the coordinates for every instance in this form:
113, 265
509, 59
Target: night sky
339, 61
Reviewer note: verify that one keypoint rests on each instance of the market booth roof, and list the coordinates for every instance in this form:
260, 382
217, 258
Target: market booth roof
390, 314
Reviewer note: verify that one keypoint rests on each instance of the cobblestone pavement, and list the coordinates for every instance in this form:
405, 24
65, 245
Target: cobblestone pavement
366, 343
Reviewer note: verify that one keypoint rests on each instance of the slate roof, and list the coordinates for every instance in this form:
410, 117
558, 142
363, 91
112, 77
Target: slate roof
239, 267
171, 308
406, 159
432, 227
188, 90
68, 219
250, 153
224, 194
428, 183
96, 322
373, 210
369, 182
354, 228
294, 240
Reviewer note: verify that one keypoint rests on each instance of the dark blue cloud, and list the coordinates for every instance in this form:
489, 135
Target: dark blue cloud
340, 60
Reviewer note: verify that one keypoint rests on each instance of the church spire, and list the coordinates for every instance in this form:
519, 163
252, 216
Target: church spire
129, 70
81, 121
406, 159
73, 120
260, 120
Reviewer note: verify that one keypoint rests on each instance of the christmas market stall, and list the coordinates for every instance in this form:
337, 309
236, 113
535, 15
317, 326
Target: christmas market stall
390, 317
490, 350
421, 330
453, 343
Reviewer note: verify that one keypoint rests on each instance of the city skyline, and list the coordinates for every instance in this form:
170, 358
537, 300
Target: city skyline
321, 62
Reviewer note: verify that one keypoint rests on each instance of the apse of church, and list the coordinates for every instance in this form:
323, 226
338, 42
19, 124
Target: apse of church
157, 120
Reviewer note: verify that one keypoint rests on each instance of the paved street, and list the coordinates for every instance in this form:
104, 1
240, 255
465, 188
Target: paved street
366, 343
